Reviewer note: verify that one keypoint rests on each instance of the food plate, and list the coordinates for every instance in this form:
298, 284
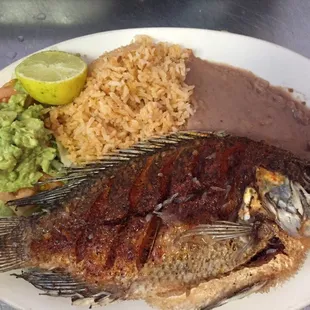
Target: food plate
277, 65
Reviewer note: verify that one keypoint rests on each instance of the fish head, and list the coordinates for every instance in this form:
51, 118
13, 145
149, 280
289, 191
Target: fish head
287, 202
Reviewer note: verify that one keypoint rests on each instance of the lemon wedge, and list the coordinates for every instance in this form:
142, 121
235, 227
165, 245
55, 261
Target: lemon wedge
52, 77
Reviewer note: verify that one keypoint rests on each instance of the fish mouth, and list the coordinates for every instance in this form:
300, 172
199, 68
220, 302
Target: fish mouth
273, 248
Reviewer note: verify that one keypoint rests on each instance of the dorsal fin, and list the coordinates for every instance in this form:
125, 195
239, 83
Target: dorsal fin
77, 176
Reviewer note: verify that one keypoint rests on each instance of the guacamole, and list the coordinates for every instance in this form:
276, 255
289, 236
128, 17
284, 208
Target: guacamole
27, 148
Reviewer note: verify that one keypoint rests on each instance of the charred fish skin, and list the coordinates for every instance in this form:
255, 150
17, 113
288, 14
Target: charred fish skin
106, 233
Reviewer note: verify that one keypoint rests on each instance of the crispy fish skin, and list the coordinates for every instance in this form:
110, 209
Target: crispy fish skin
119, 231
209, 293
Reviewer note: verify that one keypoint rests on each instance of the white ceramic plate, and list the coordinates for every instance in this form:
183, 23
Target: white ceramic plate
277, 65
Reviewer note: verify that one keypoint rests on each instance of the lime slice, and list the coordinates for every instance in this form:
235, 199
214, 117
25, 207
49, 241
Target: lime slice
52, 77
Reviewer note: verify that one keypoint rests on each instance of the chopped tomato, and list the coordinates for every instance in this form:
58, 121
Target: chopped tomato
6, 91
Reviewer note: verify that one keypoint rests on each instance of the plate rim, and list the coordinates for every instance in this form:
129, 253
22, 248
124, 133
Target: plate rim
211, 31
217, 32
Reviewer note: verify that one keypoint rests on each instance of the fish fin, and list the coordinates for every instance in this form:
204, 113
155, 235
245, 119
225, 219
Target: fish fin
12, 242
238, 254
76, 176
48, 198
235, 295
220, 230
59, 283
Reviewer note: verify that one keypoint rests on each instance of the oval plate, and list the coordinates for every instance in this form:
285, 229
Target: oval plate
274, 63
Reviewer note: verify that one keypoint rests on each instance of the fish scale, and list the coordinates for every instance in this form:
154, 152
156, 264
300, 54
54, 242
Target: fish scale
150, 224
191, 266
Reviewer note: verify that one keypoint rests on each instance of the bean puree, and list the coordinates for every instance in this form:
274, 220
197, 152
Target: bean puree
238, 102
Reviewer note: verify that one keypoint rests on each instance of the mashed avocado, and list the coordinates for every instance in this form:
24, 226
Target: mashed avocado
26, 146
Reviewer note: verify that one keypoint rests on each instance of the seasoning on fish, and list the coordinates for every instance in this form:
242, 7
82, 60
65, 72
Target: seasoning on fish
186, 221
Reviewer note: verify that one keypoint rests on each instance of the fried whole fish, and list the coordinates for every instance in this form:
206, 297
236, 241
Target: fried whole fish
186, 221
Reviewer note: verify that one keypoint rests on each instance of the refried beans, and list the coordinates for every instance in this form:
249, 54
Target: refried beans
238, 102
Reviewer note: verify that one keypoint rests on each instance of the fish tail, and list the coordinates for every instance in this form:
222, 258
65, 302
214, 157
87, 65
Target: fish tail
13, 231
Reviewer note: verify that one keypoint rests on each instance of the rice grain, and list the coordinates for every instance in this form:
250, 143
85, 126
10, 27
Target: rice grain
131, 94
